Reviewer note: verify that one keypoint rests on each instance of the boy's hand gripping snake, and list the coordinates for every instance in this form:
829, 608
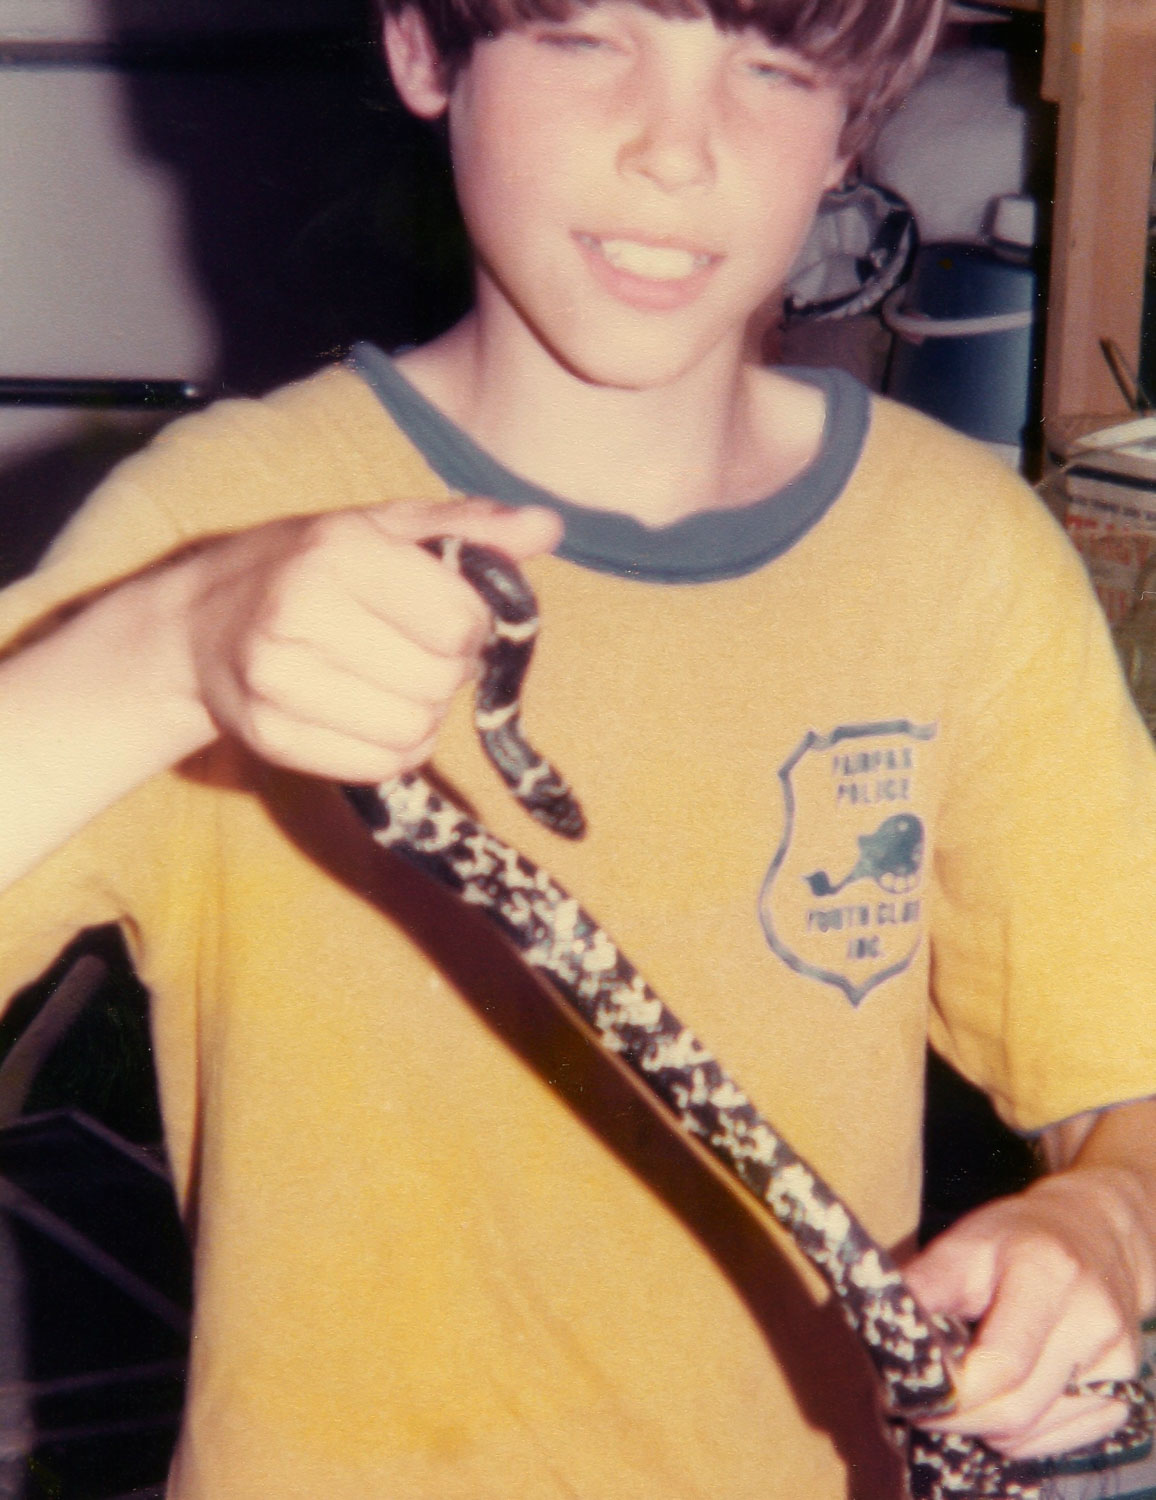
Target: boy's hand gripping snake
913, 1352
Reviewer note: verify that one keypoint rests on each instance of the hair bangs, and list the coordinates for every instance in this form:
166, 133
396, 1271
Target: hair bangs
874, 49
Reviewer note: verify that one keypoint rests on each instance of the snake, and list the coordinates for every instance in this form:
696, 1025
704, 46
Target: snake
915, 1354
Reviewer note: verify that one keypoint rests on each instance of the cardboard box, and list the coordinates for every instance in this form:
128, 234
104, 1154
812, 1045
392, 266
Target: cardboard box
1105, 486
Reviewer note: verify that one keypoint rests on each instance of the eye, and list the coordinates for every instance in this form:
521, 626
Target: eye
570, 40
775, 74
782, 70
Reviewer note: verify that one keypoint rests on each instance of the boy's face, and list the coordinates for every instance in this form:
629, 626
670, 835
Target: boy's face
634, 186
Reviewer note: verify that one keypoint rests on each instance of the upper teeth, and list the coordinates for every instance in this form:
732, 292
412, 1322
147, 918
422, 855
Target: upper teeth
661, 262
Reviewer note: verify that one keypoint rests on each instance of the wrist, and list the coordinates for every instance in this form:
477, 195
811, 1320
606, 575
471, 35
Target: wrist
93, 707
1115, 1203
138, 637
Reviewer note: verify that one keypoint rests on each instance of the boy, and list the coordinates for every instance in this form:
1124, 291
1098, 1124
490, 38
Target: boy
443, 1250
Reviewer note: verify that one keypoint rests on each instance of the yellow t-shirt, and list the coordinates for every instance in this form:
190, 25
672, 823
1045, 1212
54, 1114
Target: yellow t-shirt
886, 785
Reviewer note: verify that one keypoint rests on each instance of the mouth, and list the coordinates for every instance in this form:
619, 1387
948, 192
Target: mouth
648, 260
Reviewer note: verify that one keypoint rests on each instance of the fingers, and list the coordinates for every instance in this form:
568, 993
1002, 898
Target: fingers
338, 753
957, 1273
357, 585
382, 707
1015, 1387
379, 566
521, 532
1047, 1315
1072, 1422
333, 644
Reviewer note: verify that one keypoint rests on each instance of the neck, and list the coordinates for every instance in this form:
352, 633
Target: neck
722, 435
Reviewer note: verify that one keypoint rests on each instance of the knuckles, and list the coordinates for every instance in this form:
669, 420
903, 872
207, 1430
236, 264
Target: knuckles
329, 645
258, 664
1056, 1261
412, 726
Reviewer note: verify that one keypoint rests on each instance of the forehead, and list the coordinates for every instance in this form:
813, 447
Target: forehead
873, 49
681, 15
829, 31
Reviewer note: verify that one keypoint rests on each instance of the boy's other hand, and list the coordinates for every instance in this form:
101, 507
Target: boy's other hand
1057, 1279
333, 644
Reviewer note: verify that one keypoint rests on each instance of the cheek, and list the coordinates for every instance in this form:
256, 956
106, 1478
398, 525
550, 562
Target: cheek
486, 177
788, 182
503, 157
780, 206
804, 143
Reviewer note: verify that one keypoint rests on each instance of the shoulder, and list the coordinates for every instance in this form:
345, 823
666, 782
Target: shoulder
891, 452
322, 443
918, 455
955, 499
935, 529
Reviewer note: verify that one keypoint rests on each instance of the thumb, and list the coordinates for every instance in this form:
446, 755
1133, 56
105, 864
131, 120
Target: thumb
520, 531
956, 1274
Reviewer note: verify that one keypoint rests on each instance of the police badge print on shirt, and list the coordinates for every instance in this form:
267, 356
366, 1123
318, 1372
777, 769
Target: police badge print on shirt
843, 900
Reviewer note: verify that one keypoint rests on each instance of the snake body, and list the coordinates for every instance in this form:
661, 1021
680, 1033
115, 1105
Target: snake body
913, 1353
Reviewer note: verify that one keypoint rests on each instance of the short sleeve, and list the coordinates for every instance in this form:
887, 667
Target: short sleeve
128, 866
314, 446
1044, 914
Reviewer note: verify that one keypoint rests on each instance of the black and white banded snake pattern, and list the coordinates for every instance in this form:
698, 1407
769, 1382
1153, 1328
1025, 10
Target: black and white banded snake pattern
913, 1353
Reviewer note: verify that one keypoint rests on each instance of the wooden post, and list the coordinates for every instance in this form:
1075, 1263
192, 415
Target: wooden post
1100, 68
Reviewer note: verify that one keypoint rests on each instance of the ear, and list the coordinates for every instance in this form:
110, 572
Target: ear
415, 63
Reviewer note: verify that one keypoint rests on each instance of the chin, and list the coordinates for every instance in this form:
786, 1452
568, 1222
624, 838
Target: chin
632, 362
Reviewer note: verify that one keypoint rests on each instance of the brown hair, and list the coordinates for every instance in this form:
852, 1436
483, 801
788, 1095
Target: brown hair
874, 48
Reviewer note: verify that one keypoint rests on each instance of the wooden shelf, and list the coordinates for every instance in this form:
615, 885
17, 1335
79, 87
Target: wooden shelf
1100, 72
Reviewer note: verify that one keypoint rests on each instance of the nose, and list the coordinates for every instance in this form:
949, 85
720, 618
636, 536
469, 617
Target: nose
669, 140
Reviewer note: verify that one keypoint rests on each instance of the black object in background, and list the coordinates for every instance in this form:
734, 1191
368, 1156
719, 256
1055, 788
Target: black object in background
970, 1156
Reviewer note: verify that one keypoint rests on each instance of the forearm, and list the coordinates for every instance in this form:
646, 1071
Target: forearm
330, 644
91, 710
1111, 1155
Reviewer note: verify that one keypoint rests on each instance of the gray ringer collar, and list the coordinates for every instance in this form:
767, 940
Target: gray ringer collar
699, 549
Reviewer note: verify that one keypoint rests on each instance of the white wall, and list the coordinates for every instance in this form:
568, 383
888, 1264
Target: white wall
87, 20
96, 274
214, 190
